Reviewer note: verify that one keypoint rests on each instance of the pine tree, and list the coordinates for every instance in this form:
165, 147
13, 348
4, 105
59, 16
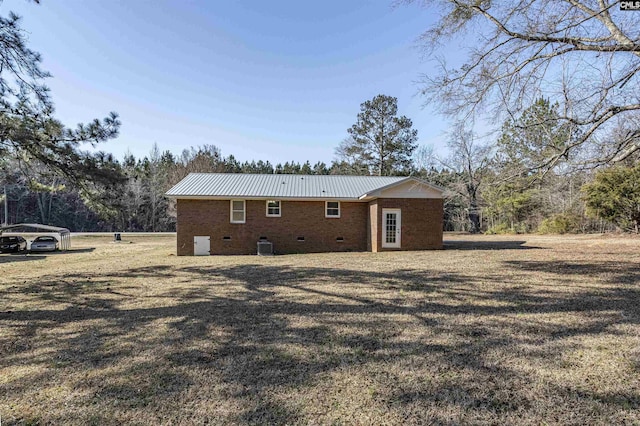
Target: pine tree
380, 140
29, 132
614, 195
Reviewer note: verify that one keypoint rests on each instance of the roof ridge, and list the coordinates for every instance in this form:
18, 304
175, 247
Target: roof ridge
295, 174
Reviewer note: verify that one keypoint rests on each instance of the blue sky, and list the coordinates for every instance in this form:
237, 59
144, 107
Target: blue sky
277, 81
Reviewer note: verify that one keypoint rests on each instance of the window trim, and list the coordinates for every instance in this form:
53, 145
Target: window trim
326, 210
279, 208
244, 211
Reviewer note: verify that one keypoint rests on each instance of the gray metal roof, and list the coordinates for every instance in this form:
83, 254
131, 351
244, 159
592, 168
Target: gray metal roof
278, 186
48, 228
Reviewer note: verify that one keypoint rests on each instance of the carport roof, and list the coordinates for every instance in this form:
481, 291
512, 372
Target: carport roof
47, 228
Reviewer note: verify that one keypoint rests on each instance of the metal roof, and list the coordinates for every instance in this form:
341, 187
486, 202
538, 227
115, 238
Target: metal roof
241, 185
48, 228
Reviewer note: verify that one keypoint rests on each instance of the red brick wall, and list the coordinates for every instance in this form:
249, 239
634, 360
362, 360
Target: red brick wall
298, 219
421, 225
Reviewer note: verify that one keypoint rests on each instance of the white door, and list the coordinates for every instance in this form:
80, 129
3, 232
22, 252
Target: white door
391, 225
201, 246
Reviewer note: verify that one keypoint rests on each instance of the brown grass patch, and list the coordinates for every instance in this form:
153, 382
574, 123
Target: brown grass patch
526, 329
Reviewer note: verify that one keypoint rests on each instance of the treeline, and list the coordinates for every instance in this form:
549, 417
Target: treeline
492, 186
528, 179
135, 202
555, 204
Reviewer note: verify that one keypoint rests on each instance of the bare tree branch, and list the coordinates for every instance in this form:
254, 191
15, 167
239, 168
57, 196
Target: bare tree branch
584, 55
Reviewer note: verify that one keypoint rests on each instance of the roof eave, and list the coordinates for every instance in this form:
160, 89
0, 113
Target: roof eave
260, 198
373, 194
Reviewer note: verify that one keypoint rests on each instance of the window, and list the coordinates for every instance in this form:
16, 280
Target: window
238, 212
332, 209
273, 208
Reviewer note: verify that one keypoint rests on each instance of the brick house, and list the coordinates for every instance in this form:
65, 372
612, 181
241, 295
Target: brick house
228, 213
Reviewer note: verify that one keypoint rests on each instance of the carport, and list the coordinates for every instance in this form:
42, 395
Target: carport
63, 233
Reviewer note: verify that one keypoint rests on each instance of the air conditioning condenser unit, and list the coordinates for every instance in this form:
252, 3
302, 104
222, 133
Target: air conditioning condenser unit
265, 248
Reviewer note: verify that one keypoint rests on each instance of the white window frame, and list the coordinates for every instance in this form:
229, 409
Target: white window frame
244, 211
326, 210
279, 214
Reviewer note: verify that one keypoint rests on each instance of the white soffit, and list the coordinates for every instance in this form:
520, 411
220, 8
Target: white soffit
409, 188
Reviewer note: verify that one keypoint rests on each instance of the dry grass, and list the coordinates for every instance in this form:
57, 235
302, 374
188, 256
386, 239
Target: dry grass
527, 330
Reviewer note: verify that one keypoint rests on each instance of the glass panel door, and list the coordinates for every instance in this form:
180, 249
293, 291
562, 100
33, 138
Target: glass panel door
391, 228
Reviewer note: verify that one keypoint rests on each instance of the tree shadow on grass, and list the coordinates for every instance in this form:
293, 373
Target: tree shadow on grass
72, 250
255, 333
27, 256
617, 272
19, 257
486, 245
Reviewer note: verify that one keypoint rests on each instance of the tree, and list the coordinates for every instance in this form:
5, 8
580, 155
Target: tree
232, 165
306, 169
508, 206
320, 168
29, 133
292, 168
380, 140
470, 160
614, 195
529, 139
424, 159
348, 168
155, 184
584, 55
203, 159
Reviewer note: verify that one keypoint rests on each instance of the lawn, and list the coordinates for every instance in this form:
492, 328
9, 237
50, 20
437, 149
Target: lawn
501, 330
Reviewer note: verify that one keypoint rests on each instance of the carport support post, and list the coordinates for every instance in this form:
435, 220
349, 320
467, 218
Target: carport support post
6, 207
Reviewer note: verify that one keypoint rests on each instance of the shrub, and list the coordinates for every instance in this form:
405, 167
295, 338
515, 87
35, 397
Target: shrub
504, 228
614, 195
562, 223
